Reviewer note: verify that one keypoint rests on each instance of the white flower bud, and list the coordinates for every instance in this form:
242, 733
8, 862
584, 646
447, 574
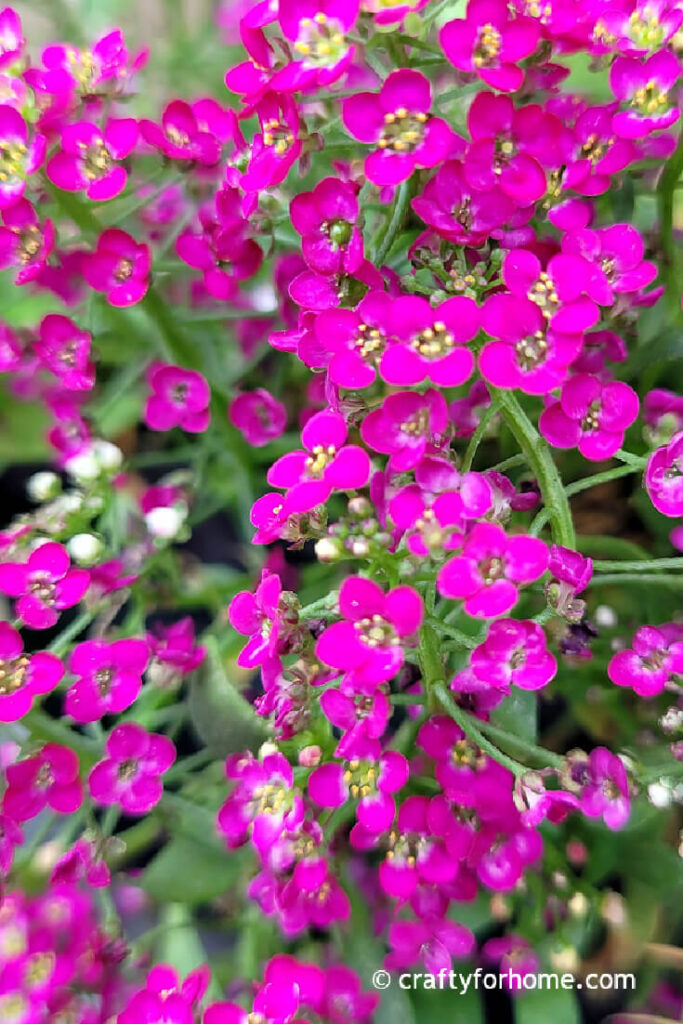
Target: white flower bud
109, 456
102, 457
43, 486
659, 795
605, 617
84, 548
266, 749
328, 549
165, 522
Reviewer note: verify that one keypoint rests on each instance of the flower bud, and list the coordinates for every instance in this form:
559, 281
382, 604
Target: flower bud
310, 757
327, 549
43, 486
165, 522
84, 548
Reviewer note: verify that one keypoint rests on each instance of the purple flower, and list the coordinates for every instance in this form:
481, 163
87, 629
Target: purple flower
430, 527
276, 148
65, 350
179, 398
664, 477
590, 416
109, 677
647, 667
368, 642
644, 88
398, 122
599, 155
130, 776
90, 159
317, 30
19, 155
326, 465
489, 42
431, 342
194, 132
491, 565
406, 427
326, 219
371, 779
530, 355
259, 416
23, 677
560, 291
49, 779
173, 648
616, 253
12, 41
570, 573
352, 342
45, 585
417, 853
25, 243
360, 716
604, 787
119, 267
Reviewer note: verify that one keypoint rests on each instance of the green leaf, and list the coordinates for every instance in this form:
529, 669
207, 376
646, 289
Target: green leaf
518, 715
541, 1006
189, 872
23, 430
180, 944
364, 955
223, 719
446, 1006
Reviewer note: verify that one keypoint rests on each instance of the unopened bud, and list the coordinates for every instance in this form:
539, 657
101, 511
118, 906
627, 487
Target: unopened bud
84, 548
328, 549
43, 486
310, 757
165, 522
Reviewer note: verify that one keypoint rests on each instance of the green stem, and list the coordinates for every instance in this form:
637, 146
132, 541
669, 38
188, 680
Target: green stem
602, 478
653, 563
540, 460
429, 658
475, 440
395, 224
665, 203
74, 629
658, 580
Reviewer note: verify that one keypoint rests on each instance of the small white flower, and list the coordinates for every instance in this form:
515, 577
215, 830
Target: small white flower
84, 548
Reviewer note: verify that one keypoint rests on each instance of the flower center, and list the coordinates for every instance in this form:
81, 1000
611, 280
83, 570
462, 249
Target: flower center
127, 769
178, 138
543, 293
103, 678
68, 354
39, 969
487, 47
44, 777
492, 569
608, 266
179, 393
531, 351
593, 148
361, 778
432, 532
405, 847
13, 1008
644, 28
42, 587
82, 68
591, 420
434, 342
338, 231
319, 459
418, 424
541, 11
277, 135
466, 754
97, 160
376, 632
12, 674
650, 99
270, 799
124, 270
12, 160
370, 343
403, 132
30, 244
321, 40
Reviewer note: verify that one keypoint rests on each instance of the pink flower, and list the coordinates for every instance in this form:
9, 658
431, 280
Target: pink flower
431, 341
179, 398
326, 218
599, 155
10, 836
276, 148
326, 465
664, 477
491, 565
23, 677
12, 41
571, 573
368, 642
407, 426
83, 860
590, 415
514, 652
351, 342
65, 350
130, 776
371, 779
49, 779
560, 291
317, 30
20, 156
45, 585
119, 267
489, 42
259, 416
458, 212
165, 998
397, 120
90, 159
654, 659
258, 616
263, 803
109, 678
644, 88
10, 350
430, 941
604, 787
530, 355
196, 132
616, 253
24, 242
417, 852
86, 71
174, 648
